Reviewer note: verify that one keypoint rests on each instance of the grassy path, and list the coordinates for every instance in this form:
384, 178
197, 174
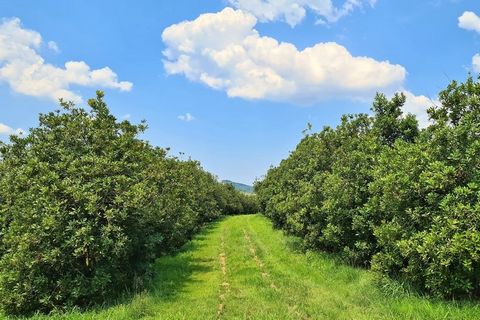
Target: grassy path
239, 268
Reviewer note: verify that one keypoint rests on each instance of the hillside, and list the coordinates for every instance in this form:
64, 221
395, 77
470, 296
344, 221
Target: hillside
240, 186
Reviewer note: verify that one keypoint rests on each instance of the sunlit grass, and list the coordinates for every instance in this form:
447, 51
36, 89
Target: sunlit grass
266, 276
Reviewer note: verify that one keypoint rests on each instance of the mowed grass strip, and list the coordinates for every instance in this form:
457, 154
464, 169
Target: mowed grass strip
240, 268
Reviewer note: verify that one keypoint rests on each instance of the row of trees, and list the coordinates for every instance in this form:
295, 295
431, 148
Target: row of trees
382, 193
86, 206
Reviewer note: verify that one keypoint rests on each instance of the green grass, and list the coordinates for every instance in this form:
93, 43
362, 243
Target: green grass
240, 268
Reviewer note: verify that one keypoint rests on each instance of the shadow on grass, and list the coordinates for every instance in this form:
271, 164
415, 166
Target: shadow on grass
174, 272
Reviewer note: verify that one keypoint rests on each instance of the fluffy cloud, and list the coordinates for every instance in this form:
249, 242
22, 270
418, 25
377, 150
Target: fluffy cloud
293, 11
418, 105
225, 52
186, 117
22, 67
469, 21
6, 130
476, 63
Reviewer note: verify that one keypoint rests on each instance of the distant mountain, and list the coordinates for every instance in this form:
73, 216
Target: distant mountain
239, 186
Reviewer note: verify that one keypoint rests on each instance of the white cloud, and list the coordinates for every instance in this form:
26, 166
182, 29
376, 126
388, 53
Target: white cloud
52, 45
418, 105
186, 117
26, 72
294, 11
225, 52
469, 21
476, 63
6, 130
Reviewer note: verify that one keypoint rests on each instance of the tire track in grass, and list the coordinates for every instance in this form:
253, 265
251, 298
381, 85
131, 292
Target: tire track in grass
224, 286
293, 308
265, 275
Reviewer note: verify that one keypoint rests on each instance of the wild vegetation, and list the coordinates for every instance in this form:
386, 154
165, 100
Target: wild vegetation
386, 195
86, 206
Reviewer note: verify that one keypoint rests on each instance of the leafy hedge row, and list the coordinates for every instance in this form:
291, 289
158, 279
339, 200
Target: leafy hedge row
85, 206
385, 194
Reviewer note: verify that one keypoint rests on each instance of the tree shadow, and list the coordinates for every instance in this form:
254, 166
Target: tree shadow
174, 272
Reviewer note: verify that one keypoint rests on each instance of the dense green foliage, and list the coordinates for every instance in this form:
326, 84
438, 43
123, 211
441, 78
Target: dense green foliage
236, 202
86, 206
384, 194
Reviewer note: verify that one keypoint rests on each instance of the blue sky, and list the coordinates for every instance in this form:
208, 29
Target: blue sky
231, 83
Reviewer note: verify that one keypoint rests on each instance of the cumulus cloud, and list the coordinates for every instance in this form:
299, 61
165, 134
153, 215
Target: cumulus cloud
22, 67
223, 51
293, 11
418, 105
186, 117
6, 130
469, 21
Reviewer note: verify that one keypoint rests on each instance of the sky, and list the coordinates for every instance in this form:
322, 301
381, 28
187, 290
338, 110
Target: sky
231, 83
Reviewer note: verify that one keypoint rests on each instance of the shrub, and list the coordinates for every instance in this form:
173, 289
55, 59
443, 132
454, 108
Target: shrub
75, 209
